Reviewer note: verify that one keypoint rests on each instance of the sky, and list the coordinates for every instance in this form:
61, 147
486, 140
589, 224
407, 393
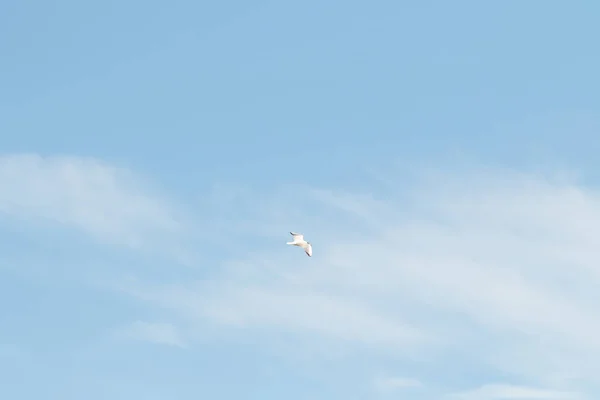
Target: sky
440, 156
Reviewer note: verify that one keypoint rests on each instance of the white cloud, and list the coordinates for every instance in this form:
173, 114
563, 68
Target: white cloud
105, 201
153, 332
288, 308
395, 383
496, 265
512, 392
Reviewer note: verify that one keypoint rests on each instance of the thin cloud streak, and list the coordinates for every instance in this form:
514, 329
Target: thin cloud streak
391, 384
152, 332
513, 392
98, 199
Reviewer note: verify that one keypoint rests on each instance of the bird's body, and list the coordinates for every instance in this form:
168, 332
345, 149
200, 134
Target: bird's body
300, 242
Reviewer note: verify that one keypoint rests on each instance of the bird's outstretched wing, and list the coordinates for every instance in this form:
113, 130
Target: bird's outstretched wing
297, 236
308, 250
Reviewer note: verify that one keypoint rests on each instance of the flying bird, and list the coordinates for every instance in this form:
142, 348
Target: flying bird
300, 242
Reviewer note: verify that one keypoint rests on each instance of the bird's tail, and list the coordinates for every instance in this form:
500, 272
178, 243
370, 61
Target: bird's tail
290, 242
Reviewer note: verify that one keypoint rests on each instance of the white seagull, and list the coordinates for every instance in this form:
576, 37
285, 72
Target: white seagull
300, 242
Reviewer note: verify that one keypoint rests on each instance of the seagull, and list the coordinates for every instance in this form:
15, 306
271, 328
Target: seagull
300, 242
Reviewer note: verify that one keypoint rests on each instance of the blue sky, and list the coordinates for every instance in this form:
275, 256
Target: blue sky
440, 156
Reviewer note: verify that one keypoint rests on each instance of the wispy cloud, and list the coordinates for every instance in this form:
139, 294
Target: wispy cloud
389, 384
289, 308
499, 265
105, 201
512, 392
153, 332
